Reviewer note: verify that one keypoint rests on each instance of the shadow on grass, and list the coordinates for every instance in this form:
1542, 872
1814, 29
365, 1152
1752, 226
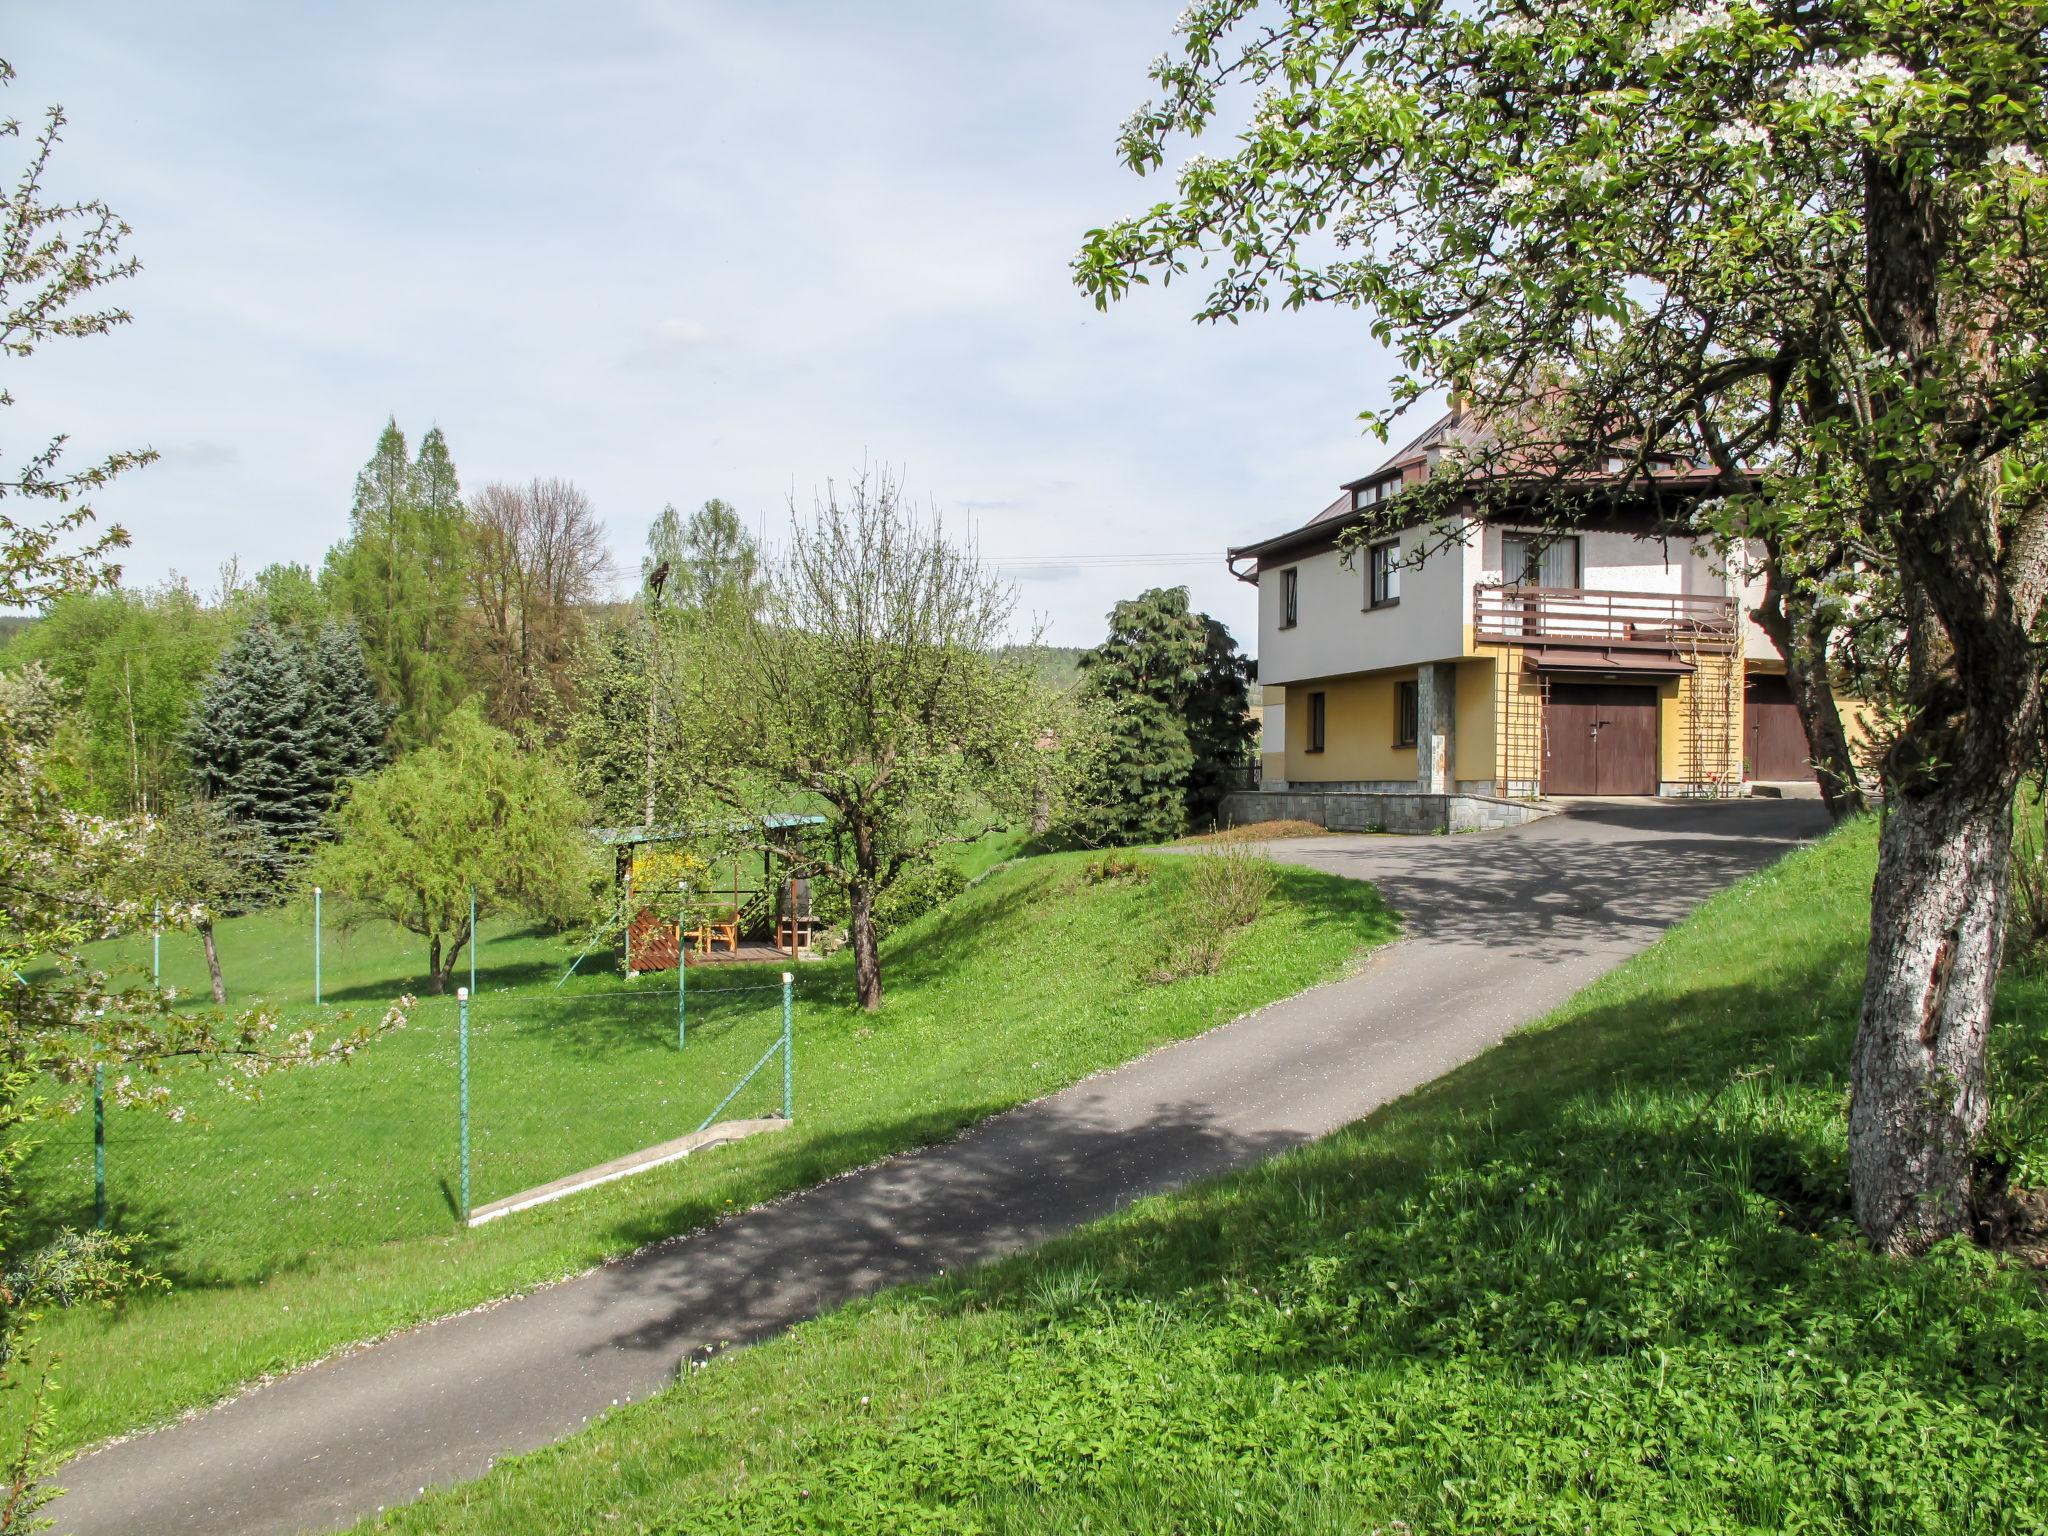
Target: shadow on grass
1662, 1175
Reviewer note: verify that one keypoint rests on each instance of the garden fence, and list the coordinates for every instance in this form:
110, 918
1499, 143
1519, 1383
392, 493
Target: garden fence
482, 1096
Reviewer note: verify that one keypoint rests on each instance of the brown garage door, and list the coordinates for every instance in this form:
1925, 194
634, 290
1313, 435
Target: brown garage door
1600, 739
1772, 735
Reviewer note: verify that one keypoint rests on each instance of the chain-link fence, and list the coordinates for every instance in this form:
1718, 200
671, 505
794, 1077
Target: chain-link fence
519, 1085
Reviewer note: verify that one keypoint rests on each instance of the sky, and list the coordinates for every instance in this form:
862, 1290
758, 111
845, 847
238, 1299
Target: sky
668, 252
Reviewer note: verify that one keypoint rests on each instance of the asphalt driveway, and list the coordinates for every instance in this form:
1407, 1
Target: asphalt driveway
1501, 927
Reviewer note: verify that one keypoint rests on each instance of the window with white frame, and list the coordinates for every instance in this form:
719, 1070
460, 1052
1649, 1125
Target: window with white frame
1383, 579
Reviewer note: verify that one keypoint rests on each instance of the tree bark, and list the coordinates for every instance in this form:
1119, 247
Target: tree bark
867, 950
1972, 589
1937, 928
1792, 620
220, 991
437, 979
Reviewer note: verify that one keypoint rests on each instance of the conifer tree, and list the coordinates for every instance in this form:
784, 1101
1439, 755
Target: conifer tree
349, 718
1221, 732
399, 574
1140, 677
253, 745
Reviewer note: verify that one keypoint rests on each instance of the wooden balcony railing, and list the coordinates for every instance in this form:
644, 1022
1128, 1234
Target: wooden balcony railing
1640, 621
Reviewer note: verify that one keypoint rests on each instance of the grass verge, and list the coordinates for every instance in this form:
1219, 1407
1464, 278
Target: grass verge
1601, 1279
326, 1214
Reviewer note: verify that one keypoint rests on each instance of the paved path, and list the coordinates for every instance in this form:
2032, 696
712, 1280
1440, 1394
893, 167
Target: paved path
1501, 927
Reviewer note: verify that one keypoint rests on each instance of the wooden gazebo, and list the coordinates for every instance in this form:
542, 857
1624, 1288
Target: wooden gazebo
750, 905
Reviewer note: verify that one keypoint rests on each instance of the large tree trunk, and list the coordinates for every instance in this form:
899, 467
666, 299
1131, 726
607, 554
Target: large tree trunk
437, 978
1790, 617
1972, 587
220, 991
867, 951
1937, 926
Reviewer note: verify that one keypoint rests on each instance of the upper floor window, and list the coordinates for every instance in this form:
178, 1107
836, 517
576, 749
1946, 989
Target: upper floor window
1290, 597
1529, 560
1366, 495
1383, 577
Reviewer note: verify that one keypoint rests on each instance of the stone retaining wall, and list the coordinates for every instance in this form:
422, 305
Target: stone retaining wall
1392, 811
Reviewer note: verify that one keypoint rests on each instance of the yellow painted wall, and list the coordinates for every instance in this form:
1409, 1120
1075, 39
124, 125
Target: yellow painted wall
1476, 704
1670, 730
1358, 733
1517, 699
1700, 727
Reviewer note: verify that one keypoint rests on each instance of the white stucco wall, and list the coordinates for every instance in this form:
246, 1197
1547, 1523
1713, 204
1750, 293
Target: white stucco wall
1621, 562
1338, 634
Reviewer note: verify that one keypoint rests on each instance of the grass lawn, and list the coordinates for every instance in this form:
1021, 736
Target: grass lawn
326, 1213
1600, 1279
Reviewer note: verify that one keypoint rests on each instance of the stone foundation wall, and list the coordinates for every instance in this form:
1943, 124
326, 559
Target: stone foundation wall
1378, 811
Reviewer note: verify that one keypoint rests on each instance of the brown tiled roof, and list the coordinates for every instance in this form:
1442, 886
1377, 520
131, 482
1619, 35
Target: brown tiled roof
1456, 426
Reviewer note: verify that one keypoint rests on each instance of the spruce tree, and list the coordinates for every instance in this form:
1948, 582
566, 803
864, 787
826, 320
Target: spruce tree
349, 718
253, 745
1221, 731
1140, 677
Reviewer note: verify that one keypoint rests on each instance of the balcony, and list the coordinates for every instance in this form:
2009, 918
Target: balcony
1571, 617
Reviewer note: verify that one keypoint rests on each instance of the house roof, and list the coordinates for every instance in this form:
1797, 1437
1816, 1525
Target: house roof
1567, 659
1410, 464
678, 831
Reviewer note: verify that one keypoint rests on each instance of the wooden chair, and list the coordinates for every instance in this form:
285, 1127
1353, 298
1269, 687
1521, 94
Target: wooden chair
717, 930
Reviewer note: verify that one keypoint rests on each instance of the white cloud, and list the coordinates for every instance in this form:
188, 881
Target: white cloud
477, 216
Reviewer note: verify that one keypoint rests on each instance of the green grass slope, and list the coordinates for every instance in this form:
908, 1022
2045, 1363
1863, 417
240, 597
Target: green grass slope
1600, 1280
326, 1213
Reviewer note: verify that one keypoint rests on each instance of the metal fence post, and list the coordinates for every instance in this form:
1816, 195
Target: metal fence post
462, 1003
156, 948
682, 1008
316, 946
99, 1145
788, 1067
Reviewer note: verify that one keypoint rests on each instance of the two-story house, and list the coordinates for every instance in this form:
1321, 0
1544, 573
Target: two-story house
1475, 657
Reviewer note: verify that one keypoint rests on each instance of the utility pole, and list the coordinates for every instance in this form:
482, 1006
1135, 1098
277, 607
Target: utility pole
656, 579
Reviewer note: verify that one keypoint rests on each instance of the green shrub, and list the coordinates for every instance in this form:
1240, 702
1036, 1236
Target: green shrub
1224, 891
1114, 866
916, 892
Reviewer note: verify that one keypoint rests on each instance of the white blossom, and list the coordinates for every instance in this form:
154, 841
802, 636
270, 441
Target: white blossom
1511, 187
2014, 157
1511, 26
1742, 133
1673, 30
1848, 81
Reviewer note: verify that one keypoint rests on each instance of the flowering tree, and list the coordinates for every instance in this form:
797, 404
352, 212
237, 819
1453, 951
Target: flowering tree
63, 1020
1798, 244
872, 680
